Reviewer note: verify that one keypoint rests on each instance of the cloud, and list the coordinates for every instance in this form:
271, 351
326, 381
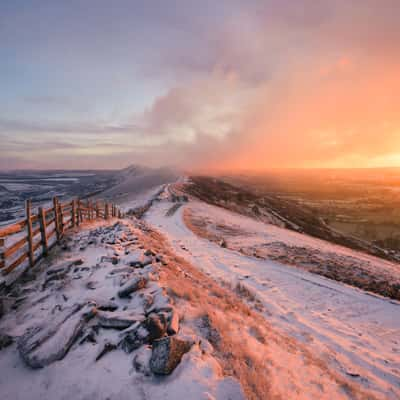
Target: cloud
253, 84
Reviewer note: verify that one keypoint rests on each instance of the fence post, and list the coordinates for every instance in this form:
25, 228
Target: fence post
77, 212
42, 222
30, 237
61, 216
88, 209
97, 210
106, 211
2, 258
80, 215
73, 213
56, 218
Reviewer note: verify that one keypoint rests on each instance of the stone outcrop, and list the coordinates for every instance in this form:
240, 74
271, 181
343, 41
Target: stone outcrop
167, 354
134, 284
40, 346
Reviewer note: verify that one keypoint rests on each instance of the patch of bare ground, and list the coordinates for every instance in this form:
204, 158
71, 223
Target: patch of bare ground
269, 364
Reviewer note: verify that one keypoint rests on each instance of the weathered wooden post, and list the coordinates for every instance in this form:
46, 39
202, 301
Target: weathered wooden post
2, 257
89, 215
42, 223
97, 210
77, 212
61, 216
56, 218
73, 213
30, 236
80, 216
106, 211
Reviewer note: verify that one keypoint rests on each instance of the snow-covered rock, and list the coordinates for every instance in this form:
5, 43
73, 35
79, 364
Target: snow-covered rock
167, 354
40, 346
136, 283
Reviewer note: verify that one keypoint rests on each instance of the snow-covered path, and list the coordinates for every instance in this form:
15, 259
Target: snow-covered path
354, 332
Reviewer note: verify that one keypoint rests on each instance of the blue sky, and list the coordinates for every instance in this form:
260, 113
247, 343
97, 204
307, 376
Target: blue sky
100, 84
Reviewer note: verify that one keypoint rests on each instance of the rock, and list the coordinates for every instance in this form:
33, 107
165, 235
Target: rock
160, 303
113, 260
64, 266
65, 247
134, 339
5, 340
134, 259
138, 259
222, 243
167, 354
130, 243
136, 283
42, 345
141, 360
156, 326
159, 258
89, 336
148, 301
173, 324
146, 261
117, 271
106, 349
108, 306
118, 320
92, 285
205, 346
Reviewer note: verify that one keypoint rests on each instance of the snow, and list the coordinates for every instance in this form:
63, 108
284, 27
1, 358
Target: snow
141, 199
355, 333
78, 375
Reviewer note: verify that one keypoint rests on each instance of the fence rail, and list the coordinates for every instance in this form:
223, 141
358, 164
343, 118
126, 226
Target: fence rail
30, 239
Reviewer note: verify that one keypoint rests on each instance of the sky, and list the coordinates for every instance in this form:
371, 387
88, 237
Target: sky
228, 85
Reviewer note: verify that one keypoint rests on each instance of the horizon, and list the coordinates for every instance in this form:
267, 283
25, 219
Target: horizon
233, 86
215, 171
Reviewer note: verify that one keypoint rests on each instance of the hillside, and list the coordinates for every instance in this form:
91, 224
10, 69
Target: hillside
280, 212
198, 301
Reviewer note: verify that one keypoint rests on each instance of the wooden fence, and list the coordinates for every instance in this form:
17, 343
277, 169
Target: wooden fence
30, 239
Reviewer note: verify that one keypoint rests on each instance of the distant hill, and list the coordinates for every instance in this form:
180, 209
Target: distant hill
136, 180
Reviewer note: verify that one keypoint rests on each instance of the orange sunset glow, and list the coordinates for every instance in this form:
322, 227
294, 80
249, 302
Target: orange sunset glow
200, 200
247, 86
